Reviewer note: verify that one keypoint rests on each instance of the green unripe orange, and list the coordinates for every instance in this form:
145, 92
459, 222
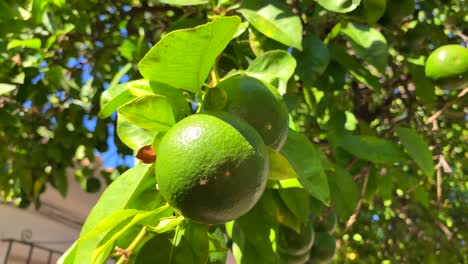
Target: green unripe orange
292, 243
446, 62
324, 248
212, 168
256, 102
291, 259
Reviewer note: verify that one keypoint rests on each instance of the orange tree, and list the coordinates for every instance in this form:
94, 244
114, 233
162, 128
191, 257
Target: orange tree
284, 131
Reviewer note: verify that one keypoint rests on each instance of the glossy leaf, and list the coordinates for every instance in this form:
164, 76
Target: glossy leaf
304, 157
344, 191
6, 88
417, 148
275, 67
369, 43
132, 135
371, 148
151, 112
280, 169
354, 67
275, 20
339, 6
313, 61
169, 57
118, 95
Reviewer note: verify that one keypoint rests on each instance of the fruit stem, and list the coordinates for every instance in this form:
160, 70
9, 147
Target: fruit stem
132, 246
214, 77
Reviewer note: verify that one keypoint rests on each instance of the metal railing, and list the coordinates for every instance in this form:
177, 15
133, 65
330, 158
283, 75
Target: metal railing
32, 246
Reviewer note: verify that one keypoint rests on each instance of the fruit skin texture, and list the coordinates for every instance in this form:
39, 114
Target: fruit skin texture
259, 104
324, 248
295, 244
212, 168
326, 224
446, 62
290, 259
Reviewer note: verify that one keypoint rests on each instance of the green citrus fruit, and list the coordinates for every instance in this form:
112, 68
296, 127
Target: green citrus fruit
446, 62
324, 248
259, 104
291, 259
326, 224
212, 168
455, 82
292, 243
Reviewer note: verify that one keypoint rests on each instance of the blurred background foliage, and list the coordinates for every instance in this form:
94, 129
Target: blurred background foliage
360, 76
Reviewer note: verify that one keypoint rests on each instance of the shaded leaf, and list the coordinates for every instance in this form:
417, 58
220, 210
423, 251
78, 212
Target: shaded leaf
275, 20
168, 58
354, 67
297, 201
304, 157
183, 2
417, 148
371, 148
313, 61
344, 191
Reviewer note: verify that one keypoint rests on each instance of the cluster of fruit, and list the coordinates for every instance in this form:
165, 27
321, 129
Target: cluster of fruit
314, 243
213, 166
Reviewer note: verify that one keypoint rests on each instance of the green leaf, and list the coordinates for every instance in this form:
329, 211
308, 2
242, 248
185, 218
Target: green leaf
33, 43
116, 79
251, 232
280, 169
132, 135
118, 95
373, 10
344, 191
184, 58
6, 88
116, 197
297, 201
417, 148
356, 69
275, 20
69, 255
260, 43
368, 43
183, 2
425, 87
101, 253
196, 236
371, 148
151, 112
304, 157
180, 106
275, 67
313, 61
339, 6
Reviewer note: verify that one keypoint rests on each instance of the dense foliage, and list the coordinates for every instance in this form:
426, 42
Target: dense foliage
372, 139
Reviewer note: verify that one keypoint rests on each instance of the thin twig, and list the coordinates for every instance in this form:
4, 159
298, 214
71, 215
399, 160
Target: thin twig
125, 254
353, 217
434, 117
